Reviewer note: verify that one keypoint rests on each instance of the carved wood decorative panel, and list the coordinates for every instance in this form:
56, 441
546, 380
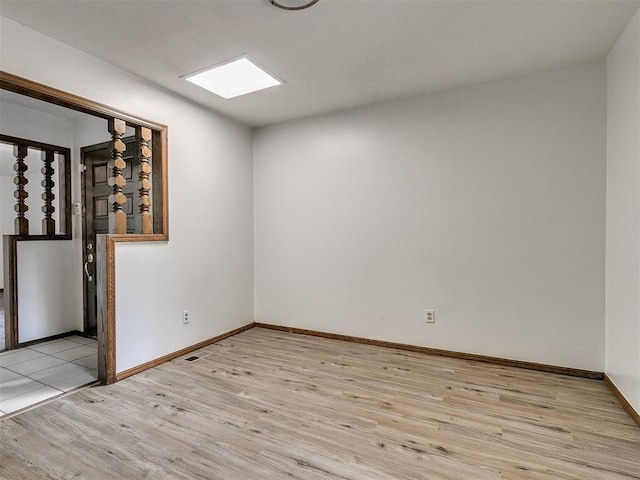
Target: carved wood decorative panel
21, 224
118, 217
158, 206
143, 135
48, 222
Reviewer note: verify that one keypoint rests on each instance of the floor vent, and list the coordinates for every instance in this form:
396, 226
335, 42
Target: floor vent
192, 359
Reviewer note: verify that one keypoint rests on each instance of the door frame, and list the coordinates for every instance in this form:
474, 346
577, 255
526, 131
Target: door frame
105, 251
84, 151
83, 192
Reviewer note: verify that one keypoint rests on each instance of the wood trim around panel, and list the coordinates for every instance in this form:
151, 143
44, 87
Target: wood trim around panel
106, 293
623, 401
9, 250
64, 214
106, 289
106, 265
57, 336
10, 259
154, 363
29, 88
160, 188
159, 145
444, 353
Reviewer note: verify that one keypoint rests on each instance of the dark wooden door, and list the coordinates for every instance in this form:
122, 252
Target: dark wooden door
96, 213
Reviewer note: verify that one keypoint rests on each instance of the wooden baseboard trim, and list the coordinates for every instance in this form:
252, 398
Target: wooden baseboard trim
154, 363
574, 372
400, 346
57, 336
623, 401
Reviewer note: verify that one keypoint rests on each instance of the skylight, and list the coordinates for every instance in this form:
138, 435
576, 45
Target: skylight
233, 79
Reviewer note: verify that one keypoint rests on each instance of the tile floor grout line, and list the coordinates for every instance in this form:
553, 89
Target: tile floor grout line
25, 393
8, 367
64, 384
55, 366
26, 408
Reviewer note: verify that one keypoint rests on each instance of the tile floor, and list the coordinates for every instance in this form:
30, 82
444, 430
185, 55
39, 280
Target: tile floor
43, 371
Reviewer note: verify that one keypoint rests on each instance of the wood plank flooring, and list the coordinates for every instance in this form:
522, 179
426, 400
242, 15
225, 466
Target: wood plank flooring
271, 405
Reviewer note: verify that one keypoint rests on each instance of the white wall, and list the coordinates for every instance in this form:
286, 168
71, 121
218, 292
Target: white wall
7, 213
7, 199
49, 289
486, 204
207, 266
46, 305
25, 123
623, 215
22, 122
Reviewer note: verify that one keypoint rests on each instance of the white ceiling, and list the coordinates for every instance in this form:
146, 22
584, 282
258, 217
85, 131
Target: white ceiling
335, 55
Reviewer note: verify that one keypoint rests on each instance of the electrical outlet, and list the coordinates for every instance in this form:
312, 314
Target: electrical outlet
430, 316
185, 317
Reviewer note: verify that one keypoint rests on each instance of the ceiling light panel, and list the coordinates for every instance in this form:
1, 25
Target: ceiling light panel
233, 79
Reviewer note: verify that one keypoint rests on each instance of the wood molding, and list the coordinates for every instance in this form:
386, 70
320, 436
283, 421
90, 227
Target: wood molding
33, 143
106, 266
32, 89
49, 338
64, 189
575, 372
179, 353
106, 291
633, 413
160, 183
106, 287
10, 259
159, 143
9, 255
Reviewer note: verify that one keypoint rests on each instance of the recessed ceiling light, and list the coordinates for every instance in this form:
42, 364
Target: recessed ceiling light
234, 78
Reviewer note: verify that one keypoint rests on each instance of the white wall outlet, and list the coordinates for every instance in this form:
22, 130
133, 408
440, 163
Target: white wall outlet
430, 316
185, 317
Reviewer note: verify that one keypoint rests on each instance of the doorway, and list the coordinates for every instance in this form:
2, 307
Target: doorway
95, 197
126, 225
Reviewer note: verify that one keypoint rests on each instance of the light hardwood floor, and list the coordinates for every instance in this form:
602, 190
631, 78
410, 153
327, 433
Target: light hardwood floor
272, 405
